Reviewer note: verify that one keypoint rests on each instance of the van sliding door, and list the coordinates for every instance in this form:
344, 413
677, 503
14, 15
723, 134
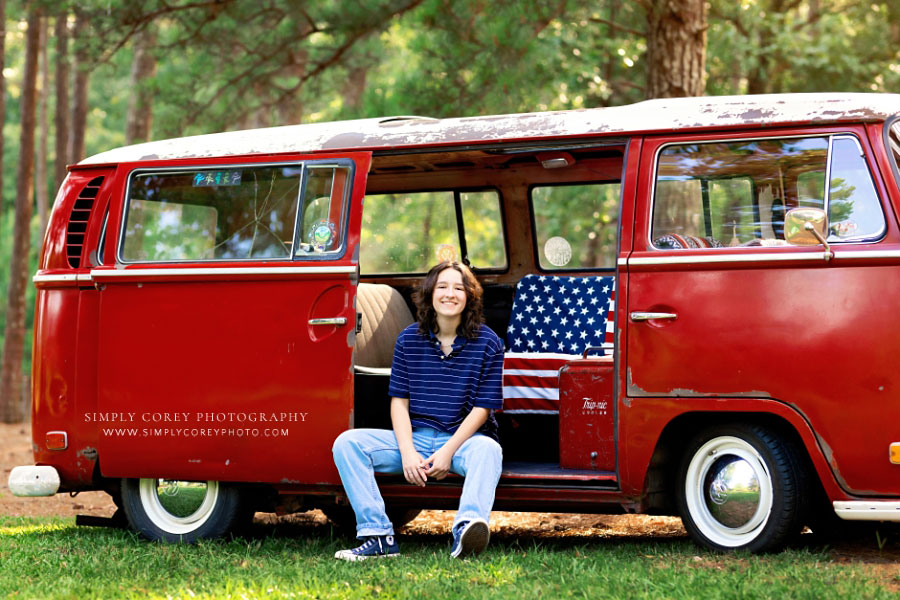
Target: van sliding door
227, 318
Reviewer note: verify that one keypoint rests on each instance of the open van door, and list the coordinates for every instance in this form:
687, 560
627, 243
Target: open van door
232, 283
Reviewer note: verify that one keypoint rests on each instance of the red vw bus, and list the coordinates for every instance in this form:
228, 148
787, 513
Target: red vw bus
694, 293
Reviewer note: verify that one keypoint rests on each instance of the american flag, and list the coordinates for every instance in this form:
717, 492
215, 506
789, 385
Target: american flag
553, 320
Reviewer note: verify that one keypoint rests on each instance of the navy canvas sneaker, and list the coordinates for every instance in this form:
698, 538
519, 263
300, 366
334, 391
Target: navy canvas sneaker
376, 546
470, 538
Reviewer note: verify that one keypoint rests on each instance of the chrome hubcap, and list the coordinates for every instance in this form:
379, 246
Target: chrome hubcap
732, 491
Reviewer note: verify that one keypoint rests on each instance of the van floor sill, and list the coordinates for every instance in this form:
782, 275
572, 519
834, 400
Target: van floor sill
519, 471
529, 474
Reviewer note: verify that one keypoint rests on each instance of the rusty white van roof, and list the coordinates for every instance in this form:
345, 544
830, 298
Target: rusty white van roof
666, 114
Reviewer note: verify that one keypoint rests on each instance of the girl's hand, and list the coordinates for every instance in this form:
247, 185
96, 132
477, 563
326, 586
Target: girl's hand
413, 468
438, 464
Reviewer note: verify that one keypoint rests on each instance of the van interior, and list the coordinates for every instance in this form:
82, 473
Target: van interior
500, 207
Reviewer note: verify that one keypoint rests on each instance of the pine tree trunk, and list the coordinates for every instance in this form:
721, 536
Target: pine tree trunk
612, 59
353, 89
61, 119
79, 90
140, 106
2, 91
290, 108
676, 48
11, 406
261, 115
42, 193
758, 79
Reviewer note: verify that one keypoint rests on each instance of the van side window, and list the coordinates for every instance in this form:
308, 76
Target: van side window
728, 194
325, 194
576, 225
233, 213
408, 232
854, 212
483, 225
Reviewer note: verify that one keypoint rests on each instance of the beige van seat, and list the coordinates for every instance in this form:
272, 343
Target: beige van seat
384, 316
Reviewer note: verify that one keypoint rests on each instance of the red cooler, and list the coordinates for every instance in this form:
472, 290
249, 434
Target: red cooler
586, 415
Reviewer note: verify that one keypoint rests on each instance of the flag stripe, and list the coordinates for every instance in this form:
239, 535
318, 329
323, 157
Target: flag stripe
532, 393
531, 372
518, 380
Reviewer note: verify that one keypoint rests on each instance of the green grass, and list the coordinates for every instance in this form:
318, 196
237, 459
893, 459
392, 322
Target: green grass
52, 558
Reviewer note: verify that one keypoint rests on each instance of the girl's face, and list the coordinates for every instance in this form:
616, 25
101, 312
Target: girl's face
449, 298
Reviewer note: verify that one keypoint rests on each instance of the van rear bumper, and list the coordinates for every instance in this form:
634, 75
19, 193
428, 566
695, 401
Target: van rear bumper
33, 481
868, 510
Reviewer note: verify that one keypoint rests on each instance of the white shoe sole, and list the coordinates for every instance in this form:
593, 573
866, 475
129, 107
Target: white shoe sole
348, 555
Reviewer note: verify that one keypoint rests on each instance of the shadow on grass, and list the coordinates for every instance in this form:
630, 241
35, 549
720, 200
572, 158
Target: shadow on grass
868, 543
298, 527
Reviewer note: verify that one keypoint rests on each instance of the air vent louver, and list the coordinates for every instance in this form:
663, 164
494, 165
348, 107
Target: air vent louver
78, 221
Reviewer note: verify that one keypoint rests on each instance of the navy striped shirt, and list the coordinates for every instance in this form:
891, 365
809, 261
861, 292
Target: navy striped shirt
442, 390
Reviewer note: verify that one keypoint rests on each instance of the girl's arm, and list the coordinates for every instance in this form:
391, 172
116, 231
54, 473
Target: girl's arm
412, 460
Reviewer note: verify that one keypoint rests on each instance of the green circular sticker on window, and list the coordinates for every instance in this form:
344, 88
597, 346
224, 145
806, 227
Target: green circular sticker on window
321, 235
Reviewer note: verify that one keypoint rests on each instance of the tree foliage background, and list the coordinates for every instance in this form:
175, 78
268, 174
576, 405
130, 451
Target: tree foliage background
116, 71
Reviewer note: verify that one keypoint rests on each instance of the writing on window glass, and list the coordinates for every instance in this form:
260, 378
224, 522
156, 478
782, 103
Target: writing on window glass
215, 178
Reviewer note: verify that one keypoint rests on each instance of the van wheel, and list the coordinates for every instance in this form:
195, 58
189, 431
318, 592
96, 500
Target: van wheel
180, 511
739, 488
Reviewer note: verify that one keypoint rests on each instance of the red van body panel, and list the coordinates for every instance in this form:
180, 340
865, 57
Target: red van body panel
783, 323
643, 420
64, 382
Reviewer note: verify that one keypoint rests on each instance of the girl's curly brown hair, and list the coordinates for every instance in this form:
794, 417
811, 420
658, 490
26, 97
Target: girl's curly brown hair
472, 316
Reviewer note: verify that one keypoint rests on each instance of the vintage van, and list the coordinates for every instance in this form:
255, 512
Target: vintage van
695, 295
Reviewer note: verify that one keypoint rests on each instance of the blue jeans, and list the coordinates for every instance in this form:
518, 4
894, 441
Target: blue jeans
359, 453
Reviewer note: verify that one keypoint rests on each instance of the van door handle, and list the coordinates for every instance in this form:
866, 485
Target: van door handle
329, 321
651, 316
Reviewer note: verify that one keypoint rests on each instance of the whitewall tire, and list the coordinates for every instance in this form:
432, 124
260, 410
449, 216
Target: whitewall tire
180, 511
739, 488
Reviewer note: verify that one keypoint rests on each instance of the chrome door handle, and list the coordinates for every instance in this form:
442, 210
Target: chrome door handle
330, 321
651, 316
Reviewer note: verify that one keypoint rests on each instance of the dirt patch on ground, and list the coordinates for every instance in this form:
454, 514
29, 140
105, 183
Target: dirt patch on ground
880, 554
